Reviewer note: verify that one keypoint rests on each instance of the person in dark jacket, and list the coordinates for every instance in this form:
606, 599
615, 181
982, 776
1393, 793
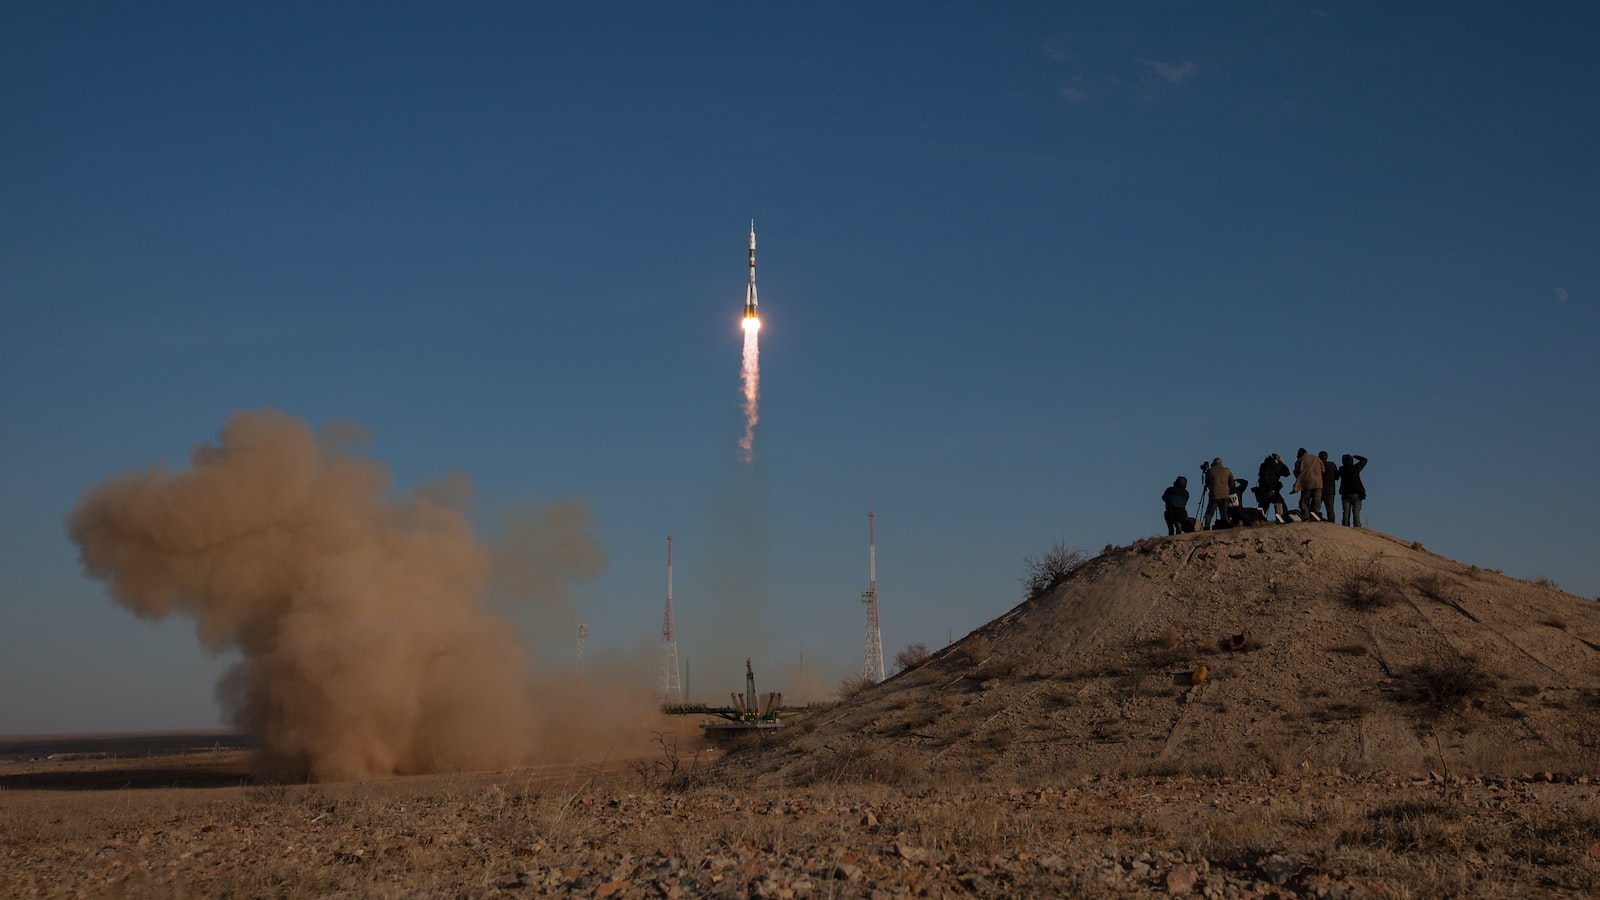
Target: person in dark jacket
1330, 474
1176, 498
1269, 485
1219, 482
1351, 490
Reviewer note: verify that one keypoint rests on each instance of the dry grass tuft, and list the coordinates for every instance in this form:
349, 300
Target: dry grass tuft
1555, 622
1434, 586
1369, 589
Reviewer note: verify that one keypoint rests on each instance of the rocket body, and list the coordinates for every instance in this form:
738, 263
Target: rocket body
750, 306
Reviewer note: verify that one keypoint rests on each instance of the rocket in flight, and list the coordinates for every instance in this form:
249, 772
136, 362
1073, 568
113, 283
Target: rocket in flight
750, 290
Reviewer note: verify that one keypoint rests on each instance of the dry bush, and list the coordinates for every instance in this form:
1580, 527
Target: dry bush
912, 656
853, 685
1544, 582
1554, 622
976, 649
996, 667
1434, 586
1436, 690
1168, 637
1044, 574
1369, 589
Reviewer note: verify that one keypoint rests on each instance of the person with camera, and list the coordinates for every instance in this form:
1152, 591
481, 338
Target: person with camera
1308, 483
1219, 483
1269, 485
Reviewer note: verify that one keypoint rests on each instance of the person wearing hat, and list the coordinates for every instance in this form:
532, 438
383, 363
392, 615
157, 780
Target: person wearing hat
1219, 481
1307, 483
1176, 497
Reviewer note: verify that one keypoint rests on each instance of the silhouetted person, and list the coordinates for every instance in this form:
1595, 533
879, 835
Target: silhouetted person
1269, 484
1330, 474
1219, 481
1307, 483
1351, 490
1176, 497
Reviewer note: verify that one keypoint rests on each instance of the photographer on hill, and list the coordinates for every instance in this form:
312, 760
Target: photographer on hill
1351, 490
1176, 498
1269, 485
1219, 482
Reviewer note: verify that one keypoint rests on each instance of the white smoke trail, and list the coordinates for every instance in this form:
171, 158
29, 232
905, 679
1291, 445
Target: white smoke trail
750, 373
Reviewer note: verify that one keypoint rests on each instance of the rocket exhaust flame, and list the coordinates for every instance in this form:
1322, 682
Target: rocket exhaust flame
750, 376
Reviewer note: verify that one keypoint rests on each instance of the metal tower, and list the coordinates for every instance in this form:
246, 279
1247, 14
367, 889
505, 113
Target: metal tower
583, 632
669, 688
872, 664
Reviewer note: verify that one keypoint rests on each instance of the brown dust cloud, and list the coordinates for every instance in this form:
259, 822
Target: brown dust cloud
368, 644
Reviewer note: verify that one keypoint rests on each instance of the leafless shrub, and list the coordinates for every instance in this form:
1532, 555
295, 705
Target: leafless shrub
1369, 589
1434, 586
1168, 637
1544, 582
976, 649
853, 685
910, 657
1554, 622
1437, 690
1044, 574
666, 771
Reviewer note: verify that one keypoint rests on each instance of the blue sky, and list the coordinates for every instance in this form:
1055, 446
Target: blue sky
1020, 266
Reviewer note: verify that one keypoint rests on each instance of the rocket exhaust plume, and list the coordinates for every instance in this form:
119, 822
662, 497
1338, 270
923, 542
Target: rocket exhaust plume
750, 378
367, 645
750, 371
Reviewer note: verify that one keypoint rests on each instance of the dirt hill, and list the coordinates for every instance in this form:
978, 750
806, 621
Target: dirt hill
1322, 647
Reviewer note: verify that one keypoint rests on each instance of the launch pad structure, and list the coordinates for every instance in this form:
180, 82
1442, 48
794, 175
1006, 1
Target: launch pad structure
748, 713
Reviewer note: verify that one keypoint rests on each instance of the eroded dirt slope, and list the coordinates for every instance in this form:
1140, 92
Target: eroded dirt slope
1324, 647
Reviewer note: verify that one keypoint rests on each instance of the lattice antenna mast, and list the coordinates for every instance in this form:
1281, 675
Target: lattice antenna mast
669, 687
872, 663
583, 632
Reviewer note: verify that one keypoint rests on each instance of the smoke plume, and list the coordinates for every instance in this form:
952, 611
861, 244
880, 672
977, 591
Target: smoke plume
367, 644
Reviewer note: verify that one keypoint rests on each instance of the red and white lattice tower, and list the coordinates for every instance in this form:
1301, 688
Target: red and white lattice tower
669, 689
872, 663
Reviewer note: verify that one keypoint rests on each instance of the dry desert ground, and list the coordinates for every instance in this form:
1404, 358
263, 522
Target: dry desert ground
1294, 711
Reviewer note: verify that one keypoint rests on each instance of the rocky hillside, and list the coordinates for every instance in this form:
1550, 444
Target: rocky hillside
1272, 649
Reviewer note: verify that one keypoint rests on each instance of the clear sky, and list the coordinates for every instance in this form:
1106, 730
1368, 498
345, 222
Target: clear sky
1020, 266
